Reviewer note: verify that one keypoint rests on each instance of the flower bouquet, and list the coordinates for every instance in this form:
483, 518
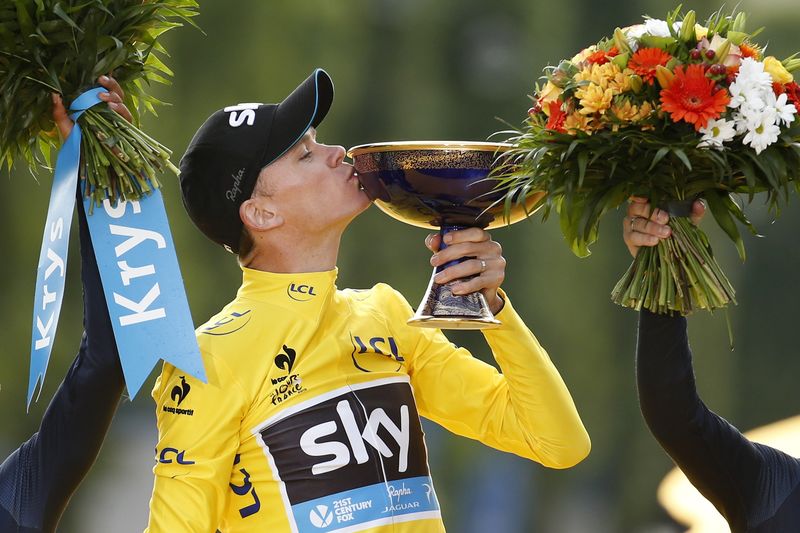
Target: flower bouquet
64, 46
670, 110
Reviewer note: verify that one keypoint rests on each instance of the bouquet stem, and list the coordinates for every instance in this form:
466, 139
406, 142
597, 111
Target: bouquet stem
679, 274
119, 160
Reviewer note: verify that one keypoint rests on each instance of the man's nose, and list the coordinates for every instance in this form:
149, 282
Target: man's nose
337, 155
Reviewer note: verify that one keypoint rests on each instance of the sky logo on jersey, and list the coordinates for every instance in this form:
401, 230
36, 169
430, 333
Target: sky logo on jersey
337, 454
299, 292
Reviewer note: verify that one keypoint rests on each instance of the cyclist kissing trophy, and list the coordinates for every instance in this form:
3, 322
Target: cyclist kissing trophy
442, 185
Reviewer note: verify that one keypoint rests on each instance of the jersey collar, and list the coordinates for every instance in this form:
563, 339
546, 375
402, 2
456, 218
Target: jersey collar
304, 290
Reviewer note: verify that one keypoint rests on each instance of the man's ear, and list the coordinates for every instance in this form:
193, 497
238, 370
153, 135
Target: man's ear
258, 215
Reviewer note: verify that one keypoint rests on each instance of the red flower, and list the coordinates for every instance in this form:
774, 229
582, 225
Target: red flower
693, 98
793, 94
645, 61
601, 57
557, 117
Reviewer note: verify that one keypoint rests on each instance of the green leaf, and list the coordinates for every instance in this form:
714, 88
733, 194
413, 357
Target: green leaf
664, 150
682, 156
59, 11
583, 160
721, 211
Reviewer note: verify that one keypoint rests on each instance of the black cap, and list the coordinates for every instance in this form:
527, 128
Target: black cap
221, 165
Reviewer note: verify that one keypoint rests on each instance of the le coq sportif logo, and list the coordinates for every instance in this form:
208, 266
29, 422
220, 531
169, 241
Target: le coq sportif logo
181, 391
285, 359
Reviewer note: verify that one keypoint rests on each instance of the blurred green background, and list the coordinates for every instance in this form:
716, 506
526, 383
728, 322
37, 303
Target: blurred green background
406, 70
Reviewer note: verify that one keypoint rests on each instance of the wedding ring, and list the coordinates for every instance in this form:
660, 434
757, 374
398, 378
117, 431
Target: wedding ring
633, 219
483, 266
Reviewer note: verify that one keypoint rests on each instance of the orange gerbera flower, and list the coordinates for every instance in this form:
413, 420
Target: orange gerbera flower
645, 61
601, 57
557, 117
693, 98
749, 51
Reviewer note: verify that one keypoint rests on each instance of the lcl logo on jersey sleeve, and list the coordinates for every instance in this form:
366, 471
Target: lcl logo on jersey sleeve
352, 457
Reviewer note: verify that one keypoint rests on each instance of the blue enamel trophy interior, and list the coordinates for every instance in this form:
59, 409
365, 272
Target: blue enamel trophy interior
433, 188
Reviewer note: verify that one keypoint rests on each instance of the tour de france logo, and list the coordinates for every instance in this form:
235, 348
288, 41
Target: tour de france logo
290, 384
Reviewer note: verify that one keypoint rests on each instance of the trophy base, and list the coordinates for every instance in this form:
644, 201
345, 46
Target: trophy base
422, 321
442, 309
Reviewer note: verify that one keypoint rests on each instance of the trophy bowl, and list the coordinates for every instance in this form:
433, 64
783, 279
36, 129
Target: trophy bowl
440, 185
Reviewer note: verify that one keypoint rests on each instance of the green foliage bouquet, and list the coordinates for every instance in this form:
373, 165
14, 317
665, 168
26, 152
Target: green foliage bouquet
63, 46
670, 110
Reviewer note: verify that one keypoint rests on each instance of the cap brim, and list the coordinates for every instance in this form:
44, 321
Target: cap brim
304, 108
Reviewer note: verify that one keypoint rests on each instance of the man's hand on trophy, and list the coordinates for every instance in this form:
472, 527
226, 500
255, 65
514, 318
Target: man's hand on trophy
483, 269
114, 97
645, 227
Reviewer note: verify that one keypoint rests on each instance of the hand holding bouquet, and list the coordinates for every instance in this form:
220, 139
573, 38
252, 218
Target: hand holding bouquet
63, 47
670, 110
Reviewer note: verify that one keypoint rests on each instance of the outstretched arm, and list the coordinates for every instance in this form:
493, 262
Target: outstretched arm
716, 458
38, 479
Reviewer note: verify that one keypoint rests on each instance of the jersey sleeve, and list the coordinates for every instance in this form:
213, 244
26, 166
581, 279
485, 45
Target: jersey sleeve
526, 409
198, 436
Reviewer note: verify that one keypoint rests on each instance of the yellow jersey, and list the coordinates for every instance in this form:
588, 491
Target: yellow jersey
309, 422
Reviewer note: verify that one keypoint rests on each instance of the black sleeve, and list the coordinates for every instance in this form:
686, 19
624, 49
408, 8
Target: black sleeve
38, 479
745, 481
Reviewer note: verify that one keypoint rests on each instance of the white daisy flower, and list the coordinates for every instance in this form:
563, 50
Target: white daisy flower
784, 110
752, 74
716, 132
763, 133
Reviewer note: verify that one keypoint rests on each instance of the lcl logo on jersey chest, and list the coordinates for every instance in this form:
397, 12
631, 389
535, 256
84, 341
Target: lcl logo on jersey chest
300, 292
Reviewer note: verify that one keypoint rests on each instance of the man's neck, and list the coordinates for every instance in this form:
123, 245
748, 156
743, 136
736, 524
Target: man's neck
294, 254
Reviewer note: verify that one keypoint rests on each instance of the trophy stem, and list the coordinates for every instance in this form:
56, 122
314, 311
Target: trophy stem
442, 309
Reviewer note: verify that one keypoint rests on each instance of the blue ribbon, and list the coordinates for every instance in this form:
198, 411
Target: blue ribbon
51, 272
143, 288
138, 267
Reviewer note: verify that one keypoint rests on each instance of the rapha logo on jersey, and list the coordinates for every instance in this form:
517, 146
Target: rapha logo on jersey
230, 323
371, 354
300, 292
241, 114
234, 191
396, 500
290, 384
352, 456
179, 393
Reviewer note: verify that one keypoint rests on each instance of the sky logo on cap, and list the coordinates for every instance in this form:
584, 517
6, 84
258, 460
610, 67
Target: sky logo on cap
241, 114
